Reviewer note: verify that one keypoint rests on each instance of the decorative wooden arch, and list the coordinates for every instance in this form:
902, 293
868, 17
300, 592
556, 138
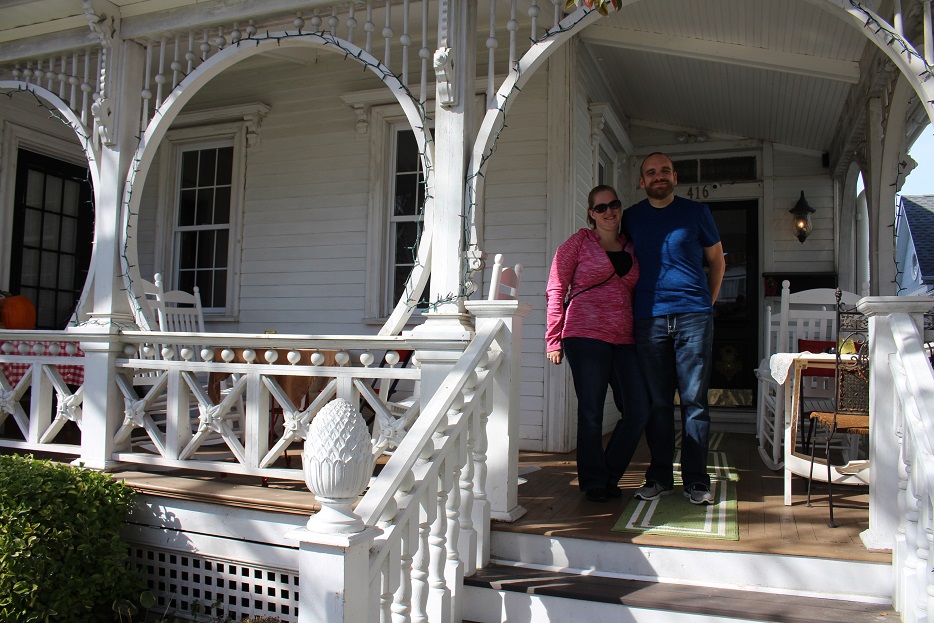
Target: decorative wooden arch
183, 93
91, 152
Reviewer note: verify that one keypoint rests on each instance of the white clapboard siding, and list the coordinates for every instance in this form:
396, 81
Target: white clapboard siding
515, 222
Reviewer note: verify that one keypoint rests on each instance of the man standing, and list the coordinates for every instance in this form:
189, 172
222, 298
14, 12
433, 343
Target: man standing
673, 312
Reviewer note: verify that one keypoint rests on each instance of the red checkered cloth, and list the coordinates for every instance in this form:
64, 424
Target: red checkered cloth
71, 374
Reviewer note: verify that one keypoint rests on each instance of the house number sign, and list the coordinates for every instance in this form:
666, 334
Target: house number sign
699, 193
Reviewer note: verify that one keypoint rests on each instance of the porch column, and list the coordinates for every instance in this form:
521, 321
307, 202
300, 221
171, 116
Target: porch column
883, 442
885, 148
117, 117
502, 431
454, 128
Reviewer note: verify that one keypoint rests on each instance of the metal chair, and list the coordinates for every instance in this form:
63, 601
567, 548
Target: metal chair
850, 412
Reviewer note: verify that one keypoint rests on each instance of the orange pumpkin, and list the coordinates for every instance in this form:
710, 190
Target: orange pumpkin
17, 312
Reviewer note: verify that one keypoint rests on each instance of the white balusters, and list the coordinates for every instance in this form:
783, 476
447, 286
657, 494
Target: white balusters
406, 41
534, 12
387, 33
369, 26
333, 22
424, 54
146, 94
491, 44
512, 26
351, 23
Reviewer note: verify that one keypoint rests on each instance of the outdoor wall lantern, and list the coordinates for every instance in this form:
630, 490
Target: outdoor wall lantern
802, 215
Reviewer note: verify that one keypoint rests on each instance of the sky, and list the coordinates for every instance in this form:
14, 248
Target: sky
921, 180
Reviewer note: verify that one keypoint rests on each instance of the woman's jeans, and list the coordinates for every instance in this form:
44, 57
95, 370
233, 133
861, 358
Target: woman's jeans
596, 364
676, 352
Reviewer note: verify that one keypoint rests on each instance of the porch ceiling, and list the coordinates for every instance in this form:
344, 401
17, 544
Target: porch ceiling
775, 70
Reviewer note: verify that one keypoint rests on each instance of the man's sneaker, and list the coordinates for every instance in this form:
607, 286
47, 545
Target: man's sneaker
699, 494
652, 491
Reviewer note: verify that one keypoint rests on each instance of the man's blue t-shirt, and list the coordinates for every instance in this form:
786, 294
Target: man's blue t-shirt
669, 245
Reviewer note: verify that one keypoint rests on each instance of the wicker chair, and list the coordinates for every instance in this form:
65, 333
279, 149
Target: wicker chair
850, 414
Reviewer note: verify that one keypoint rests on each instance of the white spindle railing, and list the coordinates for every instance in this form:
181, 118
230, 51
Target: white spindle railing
911, 396
170, 416
426, 512
52, 403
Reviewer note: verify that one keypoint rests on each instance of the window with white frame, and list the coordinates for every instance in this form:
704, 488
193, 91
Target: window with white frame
396, 210
406, 213
202, 236
203, 162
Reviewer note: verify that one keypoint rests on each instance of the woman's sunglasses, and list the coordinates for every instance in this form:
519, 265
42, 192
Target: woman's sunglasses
600, 208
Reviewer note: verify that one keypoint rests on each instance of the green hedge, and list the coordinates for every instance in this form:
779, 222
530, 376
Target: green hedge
61, 556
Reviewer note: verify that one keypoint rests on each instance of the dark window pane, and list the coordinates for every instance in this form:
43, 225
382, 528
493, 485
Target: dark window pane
186, 208
728, 169
222, 242
222, 205
69, 235
71, 197
30, 268
48, 277
186, 280
187, 247
50, 229
686, 170
189, 169
205, 207
224, 166
406, 151
406, 237
205, 249
35, 185
205, 282
206, 168
46, 311
32, 229
406, 200
53, 193
66, 273
220, 288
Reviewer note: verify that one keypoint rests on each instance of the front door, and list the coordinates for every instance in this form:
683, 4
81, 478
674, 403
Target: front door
53, 228
735, 342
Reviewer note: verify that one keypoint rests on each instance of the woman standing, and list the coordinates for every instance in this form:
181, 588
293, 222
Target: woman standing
590, 322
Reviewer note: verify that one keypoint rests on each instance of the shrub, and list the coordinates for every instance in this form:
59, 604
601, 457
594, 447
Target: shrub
61, 556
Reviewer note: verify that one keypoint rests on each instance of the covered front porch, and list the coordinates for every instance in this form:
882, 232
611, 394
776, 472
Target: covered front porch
447, 502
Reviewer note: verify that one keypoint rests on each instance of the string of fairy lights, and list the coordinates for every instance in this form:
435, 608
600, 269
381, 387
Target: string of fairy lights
472, 258
473, 262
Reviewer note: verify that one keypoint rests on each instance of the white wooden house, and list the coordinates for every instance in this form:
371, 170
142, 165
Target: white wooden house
309, 164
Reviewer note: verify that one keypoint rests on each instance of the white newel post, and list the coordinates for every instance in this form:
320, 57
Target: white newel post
116, 121
502, 433
883, 440
334, 548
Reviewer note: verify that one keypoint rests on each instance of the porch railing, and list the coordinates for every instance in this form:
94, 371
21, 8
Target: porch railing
427, 513
903, 463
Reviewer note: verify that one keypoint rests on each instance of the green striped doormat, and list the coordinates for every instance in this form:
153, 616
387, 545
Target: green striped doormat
673, 515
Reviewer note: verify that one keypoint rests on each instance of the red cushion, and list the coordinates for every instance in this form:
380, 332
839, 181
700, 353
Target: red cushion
816, 346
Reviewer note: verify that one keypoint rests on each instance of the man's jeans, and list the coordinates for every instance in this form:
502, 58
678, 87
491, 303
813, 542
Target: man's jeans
676, 352
596, 364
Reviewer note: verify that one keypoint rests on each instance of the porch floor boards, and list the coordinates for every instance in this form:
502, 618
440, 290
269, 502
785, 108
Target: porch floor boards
555, 507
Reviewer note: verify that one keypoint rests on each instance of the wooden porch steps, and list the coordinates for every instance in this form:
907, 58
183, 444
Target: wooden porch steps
528, 595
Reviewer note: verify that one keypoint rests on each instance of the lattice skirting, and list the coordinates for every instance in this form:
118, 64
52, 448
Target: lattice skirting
186, 583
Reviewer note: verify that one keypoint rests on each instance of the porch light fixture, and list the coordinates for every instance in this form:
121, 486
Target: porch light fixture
802, 215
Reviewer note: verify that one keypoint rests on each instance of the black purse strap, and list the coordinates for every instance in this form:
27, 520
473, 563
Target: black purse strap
570, 298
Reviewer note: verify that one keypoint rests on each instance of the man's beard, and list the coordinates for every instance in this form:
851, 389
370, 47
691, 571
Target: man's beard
659, 191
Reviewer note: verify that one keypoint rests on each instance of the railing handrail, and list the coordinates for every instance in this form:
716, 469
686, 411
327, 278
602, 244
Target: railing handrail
374, 502
279, 340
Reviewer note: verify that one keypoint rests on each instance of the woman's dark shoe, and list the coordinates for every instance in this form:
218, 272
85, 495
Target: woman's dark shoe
596, 495
613, 491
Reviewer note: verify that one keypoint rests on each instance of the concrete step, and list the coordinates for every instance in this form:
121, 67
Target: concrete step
772, 573
525, 595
